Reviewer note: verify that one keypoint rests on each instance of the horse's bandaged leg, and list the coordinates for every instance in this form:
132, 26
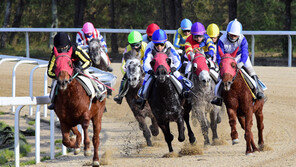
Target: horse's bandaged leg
217, 87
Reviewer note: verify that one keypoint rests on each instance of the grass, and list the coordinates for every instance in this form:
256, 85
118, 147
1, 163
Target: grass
58, 141
45, 158
6, 155
58, 154
31, 122
30, 162
2, 113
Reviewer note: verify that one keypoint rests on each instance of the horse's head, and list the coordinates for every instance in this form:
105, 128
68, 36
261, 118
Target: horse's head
95, 51
134, 71
228, 68
201, 69
161, 65
64, 68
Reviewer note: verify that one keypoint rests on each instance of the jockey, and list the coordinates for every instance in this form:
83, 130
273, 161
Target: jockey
87, 33
136, 43
214, 33
228, 43
160, 44
80, 59
198, 41
149, 31
182, 34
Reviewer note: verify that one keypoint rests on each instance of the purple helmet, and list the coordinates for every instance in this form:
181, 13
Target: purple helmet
198, 29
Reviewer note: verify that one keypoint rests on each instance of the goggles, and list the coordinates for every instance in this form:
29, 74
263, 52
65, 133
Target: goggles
88, 36
133, 45
158, 44
198, 36
184, 31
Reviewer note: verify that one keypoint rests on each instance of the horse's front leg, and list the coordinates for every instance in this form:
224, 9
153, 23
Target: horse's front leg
232, 122
260, 125
97, 120
187, 108
87, 151
213, 116
181, 128
67, 141
78, 139
144, 128
201, 116
154, 126
248, 132
165, 127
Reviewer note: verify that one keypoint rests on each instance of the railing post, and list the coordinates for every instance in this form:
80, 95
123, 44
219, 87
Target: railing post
104, 34
52, 153
253, 50
27, 45
289, 51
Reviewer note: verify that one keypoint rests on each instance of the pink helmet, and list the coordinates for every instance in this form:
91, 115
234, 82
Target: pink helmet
88, 27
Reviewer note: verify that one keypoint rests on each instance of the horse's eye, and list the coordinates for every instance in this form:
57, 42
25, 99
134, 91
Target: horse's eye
233, 65
70, 64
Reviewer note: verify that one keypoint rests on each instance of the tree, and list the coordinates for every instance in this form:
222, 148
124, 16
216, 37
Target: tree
114, 44
6, 23
80, 6
287, 25
232, 8
55, 21
17, 18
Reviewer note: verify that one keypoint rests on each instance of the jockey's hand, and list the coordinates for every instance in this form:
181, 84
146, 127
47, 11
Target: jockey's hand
77, 70
240, 65
182, 48
173, 69
151, 72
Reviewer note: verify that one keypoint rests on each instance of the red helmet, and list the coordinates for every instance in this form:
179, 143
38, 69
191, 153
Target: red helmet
151, 28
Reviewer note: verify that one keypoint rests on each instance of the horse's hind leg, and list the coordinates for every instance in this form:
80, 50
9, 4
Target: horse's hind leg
154, 126
86, 142
248, 132
214, 122
232, 122
144, 128
78, 139
67, 141
97, 120
167, 134
201, 116
260, 125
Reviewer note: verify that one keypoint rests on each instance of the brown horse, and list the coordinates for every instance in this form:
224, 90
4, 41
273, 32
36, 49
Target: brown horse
134, 74
72, 108
239, 102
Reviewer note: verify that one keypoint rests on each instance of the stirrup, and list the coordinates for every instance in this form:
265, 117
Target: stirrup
260, 95
51, 106
118, 99
217, 101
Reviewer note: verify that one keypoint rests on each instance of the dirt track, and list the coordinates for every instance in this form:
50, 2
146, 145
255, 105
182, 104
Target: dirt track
122, 138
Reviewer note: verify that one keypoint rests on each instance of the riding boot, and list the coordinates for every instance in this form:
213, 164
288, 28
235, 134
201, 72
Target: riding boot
258, 92
122, 90
217, 101
52, 97
51, 106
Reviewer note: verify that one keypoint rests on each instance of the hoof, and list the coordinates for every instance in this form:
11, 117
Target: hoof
192, 140
181, 139
96, 163
235, 141
87, 153
76, 151
149, 143
154, 130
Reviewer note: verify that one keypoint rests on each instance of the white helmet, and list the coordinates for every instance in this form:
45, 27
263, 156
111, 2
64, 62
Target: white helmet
234, 27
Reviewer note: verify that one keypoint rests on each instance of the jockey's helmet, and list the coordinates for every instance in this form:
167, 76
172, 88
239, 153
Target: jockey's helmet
159, 36
198, 29
88, 27
134, 37
234, 27
186, 24
61, 40
213, 30
151, 28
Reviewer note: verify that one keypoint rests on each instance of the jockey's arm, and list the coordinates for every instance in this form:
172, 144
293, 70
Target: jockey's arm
176, 59
103, 43
210, 46
50, 67
188, 50
176, 40
244, 51
147, 59
83, 57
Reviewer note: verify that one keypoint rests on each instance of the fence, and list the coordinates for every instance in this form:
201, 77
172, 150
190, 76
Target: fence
40, 100
104, 31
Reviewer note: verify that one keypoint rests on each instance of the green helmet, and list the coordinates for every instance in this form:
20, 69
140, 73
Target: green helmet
134, 37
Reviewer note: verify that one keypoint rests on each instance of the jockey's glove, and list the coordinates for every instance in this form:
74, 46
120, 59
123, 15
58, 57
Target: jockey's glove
151, 72
182, 48
173, 69
240, 65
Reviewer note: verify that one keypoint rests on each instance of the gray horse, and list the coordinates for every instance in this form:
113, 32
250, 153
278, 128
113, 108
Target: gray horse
134, 73
203, 89
96, 54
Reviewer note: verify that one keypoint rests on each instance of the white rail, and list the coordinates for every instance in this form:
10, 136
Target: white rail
104, 31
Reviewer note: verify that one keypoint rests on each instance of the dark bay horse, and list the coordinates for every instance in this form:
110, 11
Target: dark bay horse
203, 88
134, 73
72, 108
165, 102
240, 102
96, 53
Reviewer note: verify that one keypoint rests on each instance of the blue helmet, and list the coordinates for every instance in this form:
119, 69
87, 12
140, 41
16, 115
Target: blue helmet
159, 36
186, 24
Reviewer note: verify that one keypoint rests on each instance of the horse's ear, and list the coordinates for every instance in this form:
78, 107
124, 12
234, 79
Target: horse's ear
126, 56
168, 52
220, 51
233, 54
194, 67
169, 61
152, 63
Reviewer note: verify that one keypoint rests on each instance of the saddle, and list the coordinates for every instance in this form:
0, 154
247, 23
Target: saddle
88, 86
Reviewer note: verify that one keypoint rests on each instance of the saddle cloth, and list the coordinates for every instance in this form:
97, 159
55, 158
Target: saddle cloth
88, 86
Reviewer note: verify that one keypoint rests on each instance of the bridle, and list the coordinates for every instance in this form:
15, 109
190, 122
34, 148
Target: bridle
236, 71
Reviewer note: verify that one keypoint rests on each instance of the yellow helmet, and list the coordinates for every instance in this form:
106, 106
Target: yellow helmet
213, 30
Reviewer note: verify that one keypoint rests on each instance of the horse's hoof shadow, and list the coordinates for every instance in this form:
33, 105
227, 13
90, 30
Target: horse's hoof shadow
249, 154
87, 153
77, 151
235, 141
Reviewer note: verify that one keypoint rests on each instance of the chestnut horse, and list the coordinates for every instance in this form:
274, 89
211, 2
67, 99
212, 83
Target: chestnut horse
204, 87
165, 102
134, 74
239, 102
72, 108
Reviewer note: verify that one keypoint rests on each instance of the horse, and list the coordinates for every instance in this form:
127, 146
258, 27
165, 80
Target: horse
240, 103
165, 102
134, 74
96, 52
203, 89
72, 108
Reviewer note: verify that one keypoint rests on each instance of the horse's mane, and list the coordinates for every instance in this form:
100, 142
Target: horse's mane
130, 55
